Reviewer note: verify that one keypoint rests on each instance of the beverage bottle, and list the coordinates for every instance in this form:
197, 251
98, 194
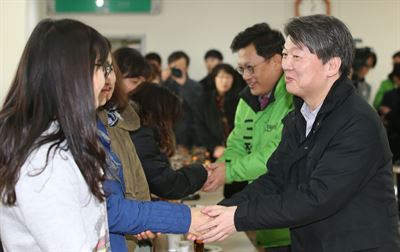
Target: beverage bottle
198, 246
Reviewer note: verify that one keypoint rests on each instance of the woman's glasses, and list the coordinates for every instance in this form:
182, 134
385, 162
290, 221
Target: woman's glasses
107, 68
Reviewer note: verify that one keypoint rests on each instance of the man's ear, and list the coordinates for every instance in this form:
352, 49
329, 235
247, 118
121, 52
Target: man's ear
334, 65
277, 59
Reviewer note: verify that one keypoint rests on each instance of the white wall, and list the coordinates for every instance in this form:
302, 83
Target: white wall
192, 25
198, 25
12, 40
377, 22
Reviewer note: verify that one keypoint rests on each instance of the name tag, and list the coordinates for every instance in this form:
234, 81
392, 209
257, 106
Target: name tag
270, 127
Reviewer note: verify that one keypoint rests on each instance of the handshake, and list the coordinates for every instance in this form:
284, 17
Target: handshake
211, 223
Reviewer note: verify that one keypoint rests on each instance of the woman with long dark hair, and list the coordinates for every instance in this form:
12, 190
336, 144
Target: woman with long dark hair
215, 115
159, 109
51, 164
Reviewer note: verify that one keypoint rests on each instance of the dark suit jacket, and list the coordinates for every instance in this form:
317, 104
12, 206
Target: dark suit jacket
333, 188
162, 179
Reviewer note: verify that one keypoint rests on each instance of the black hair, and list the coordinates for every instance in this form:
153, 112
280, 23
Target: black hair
178, 55
213, 53
395, 72
131, 63
396, 54
160, 115
267, 42
361, 57
153, 56
238, 82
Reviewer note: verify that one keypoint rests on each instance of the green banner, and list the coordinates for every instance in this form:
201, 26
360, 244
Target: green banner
102, 6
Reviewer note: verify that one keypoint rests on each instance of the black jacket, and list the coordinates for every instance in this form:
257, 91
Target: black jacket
162, 179
391, 99
333, 188
208, 124
188, 93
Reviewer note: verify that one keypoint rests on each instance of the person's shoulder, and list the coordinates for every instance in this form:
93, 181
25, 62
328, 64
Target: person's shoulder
206, 96
49, 153
392, 93
391, 98
49, 162
360, 112
242, 104
169, 83
194, 84
386, 82
130, 119
143, 131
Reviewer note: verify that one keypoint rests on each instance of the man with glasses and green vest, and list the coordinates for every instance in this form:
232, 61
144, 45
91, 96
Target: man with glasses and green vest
258, 120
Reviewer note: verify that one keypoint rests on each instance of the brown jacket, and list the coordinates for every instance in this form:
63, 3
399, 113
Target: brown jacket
136, 186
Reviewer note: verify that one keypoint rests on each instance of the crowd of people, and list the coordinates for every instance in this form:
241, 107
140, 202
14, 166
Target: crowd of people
88, 133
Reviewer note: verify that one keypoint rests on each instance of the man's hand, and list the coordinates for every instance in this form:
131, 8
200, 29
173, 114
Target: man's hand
198, 219
182, 79
165, 74
221, 226
218, 151
216, 177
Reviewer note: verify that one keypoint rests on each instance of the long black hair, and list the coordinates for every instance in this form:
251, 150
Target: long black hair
159, 109
53, 82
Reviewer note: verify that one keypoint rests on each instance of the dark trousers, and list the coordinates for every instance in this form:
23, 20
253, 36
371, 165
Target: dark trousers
278, 249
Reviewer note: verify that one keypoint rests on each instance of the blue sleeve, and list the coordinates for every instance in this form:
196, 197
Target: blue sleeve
132, 217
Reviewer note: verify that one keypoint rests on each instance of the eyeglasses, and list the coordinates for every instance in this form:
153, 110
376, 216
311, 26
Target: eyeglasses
107, 68
249, 68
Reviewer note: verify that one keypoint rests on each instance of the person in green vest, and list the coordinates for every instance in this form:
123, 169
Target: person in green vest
386, 85
258, 119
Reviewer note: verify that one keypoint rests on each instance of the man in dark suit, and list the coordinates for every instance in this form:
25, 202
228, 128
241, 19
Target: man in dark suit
330, 179
188, 91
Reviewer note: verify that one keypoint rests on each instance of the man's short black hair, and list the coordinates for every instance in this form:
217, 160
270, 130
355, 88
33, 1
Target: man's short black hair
396, 54
361, 57
213, 53
267, 41
178, 55
395, 72
153, 56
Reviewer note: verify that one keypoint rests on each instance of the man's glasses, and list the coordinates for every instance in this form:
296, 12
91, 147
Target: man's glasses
107, 68
249, 68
